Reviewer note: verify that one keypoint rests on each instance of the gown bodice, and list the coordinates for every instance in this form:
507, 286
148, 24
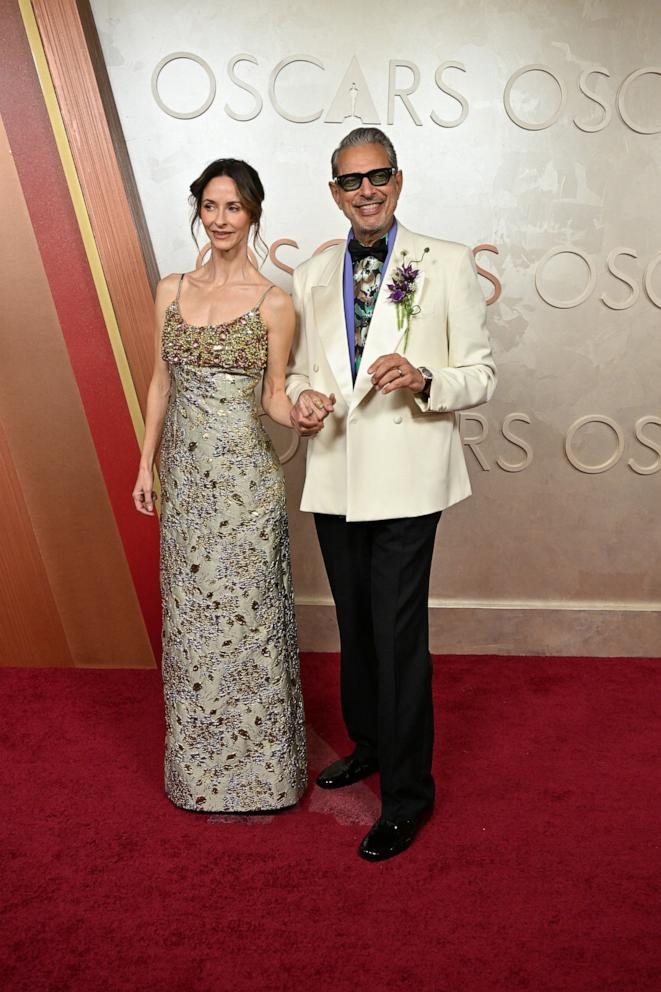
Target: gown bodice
240, 344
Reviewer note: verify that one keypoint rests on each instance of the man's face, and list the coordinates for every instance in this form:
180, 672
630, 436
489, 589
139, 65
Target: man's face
370, 209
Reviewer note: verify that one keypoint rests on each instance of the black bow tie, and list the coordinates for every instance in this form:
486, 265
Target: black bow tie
358, 251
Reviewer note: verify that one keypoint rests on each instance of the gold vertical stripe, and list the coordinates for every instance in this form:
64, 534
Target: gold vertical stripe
82, 217
94, 153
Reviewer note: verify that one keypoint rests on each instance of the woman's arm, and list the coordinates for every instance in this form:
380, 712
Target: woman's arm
157, 402
279, 317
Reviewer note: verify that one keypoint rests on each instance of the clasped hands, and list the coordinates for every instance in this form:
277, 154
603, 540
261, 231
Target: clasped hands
389, 372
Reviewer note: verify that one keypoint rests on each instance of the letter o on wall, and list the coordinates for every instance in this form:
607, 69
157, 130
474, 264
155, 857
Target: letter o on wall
212, 85
593, 418
536, 67
582, 297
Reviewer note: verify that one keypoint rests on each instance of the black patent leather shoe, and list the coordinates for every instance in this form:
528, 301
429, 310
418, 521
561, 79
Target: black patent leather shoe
346, 771
388, 838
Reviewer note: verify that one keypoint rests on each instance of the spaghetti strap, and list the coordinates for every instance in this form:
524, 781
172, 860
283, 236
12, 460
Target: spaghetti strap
262, 297
181, 279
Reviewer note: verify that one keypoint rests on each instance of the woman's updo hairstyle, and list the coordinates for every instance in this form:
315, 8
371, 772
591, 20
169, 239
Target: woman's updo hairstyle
249, 187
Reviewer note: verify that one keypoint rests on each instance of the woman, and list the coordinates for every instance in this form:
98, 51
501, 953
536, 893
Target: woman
235, 737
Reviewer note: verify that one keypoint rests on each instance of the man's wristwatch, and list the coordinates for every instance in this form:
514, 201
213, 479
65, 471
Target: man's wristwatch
428, 377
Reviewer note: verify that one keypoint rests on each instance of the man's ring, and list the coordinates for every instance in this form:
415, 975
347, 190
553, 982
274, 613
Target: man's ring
400, 371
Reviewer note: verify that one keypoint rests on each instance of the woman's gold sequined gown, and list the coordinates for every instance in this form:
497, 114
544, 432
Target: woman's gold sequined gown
235, 738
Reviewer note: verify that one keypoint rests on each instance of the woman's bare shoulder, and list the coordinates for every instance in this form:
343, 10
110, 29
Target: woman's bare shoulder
277, 301
166, 289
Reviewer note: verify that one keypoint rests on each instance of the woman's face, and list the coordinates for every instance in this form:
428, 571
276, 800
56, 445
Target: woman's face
223, 216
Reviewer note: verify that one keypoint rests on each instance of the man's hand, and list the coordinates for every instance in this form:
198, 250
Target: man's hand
308, 415
390, 372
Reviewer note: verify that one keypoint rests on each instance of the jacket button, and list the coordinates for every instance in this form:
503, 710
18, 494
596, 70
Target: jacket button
397, 420
315, 367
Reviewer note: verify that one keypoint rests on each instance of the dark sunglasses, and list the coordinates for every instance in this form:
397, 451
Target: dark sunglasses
353, 180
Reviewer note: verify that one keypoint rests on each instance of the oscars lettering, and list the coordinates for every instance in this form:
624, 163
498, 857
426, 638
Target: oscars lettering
352, 98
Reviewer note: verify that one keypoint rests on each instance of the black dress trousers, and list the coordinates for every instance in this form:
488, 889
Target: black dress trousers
379, 576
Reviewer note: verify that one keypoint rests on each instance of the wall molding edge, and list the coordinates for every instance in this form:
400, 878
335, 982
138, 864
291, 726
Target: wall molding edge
440, 603
513, 630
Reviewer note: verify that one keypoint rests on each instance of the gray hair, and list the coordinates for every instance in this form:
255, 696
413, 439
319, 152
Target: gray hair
364, 136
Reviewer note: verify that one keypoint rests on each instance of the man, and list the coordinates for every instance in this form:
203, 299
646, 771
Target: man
377, 403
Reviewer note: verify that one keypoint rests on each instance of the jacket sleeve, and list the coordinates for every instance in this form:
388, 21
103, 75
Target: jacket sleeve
297, 371
470, 377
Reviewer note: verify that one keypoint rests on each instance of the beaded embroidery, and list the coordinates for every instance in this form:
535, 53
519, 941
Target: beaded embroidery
240, 344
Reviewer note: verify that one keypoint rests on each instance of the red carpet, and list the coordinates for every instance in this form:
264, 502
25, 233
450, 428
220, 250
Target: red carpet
539, 870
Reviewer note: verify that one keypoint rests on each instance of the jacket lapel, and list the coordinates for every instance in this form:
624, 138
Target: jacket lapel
328, 303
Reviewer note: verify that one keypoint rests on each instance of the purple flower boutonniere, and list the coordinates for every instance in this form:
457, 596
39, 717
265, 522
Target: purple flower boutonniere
402, 291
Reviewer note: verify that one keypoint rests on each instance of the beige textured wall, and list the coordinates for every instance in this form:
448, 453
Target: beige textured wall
550, 554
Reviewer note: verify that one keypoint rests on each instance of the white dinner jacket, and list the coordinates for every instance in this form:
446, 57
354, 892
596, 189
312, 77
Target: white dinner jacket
396, 455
